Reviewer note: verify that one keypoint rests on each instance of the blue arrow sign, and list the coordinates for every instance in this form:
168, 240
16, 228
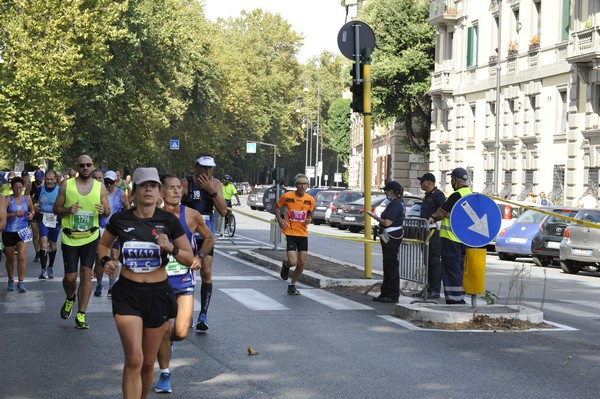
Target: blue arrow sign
475, 220
174, 145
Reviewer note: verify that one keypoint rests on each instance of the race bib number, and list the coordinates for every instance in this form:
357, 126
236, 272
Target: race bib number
83, 220
26, 234
297, 216
175, 268
141, 256
50, 220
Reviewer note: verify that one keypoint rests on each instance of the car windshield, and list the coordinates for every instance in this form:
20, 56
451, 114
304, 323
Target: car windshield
375, 200
347, 197
567, 212
589, 215
325, 196
530, 216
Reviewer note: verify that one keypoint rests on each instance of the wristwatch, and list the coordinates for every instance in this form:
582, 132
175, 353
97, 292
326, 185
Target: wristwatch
213, 194
175, 251
201, 254
104, 260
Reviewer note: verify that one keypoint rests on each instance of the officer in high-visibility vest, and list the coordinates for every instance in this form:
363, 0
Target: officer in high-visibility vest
453, 250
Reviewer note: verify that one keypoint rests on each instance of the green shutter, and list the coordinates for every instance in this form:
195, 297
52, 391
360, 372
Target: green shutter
565, 18
470, 47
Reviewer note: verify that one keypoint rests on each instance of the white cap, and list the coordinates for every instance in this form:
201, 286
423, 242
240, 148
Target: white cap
110, 175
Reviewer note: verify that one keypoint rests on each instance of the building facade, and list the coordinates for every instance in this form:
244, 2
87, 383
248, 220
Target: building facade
535, 64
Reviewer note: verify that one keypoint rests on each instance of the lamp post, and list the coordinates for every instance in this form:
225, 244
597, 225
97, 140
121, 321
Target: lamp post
318, 170
497, 127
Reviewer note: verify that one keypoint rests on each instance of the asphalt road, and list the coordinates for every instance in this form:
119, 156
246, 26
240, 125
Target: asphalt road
320, 344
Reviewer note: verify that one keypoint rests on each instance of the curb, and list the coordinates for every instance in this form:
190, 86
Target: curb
420, 312
308, 277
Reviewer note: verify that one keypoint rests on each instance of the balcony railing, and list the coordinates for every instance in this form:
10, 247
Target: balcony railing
442, 82
585, 46
442, 10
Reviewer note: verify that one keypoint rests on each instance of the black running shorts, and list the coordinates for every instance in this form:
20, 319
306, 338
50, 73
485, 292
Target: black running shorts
84, 254
296, 243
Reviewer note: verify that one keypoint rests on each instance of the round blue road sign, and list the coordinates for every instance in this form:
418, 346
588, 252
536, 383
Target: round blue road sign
475, 220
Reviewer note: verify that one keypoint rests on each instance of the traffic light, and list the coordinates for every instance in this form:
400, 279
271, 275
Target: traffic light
356, 89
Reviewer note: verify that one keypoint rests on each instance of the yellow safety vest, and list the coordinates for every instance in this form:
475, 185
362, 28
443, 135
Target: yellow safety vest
445, 229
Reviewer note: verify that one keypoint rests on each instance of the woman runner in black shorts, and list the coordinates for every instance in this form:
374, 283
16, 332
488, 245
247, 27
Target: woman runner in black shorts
142, 299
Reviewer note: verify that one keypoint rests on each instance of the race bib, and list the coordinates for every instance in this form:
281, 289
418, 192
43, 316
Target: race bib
26, 234
83, 220
297, 216
50, 220
175, 268
141, 256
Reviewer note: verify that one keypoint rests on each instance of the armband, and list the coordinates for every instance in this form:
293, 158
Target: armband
104, 260
175, 251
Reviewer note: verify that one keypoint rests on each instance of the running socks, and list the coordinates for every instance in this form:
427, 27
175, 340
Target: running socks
52, 257
43, 255
205, 294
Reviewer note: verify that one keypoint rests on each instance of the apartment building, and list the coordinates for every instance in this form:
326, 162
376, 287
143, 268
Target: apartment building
544, 57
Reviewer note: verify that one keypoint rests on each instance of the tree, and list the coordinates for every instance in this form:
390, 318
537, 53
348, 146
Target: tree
402, 65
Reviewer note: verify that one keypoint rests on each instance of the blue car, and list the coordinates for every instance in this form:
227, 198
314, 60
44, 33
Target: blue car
514, 241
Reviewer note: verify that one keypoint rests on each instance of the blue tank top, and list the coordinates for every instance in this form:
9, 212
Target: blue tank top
115, 202
16, 223
181, 278
47, 198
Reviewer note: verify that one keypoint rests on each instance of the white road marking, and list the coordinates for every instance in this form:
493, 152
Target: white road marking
29, 302
333, 301
253, 299
569, 310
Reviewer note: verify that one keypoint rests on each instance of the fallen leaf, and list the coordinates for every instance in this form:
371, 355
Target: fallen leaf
251, 351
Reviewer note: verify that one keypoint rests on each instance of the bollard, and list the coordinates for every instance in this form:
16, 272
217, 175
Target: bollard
474, 274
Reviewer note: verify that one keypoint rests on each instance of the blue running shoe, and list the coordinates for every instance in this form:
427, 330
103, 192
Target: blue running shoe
98, 291
50, 272
202, 324
11, 285
21, 287
164, 383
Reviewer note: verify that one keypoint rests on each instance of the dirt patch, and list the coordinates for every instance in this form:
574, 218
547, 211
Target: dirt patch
484, 322
318, 265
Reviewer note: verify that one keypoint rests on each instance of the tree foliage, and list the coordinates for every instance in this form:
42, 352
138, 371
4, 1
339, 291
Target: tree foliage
402, 65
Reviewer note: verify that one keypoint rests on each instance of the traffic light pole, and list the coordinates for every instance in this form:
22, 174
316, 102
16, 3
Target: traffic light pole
367, 157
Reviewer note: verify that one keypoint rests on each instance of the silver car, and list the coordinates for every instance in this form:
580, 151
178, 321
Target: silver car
580, 246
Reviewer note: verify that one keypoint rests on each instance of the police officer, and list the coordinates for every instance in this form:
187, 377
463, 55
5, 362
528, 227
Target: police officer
453, 250
434, 198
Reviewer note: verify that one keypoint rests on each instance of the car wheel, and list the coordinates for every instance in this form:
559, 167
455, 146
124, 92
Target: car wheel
341, 227
253, 208
505, 256
542, 261
317, 222
568, 266
355, 229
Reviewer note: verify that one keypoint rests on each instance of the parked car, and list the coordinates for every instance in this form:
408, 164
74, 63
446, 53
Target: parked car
409, 201
253, 196
580, 247
515, 240
345, 197
545, 245
322, 202
510, 213
353, 214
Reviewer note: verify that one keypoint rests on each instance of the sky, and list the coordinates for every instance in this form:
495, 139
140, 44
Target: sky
318, 20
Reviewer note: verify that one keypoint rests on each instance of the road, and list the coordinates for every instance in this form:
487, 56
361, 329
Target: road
320, 344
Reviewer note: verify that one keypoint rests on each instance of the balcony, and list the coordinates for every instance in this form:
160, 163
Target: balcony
443, 11
442, 83
585, 46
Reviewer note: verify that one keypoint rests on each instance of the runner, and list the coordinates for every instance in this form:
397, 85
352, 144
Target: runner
117, 200
19, 211
143, 299
181, 277
79, 203
203, 193
48, 222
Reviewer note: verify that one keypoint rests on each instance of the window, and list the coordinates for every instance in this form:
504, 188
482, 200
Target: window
445, 117
565, 20
558, 182
537, 14
593, 180
530, 117
472, 124
472, 45
562, 111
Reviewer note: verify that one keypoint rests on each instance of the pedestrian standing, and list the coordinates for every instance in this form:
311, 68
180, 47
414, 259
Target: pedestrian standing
453, 250
299, 207
433, 199
142, 298
588, 200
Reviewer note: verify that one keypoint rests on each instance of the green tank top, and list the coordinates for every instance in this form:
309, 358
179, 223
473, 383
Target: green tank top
82, 227
445, 229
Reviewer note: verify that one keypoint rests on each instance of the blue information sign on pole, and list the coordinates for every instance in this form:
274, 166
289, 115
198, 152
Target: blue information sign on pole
475, 220
174, 145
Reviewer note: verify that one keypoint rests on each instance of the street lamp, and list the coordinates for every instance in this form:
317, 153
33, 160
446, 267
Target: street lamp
498, 4
318, 164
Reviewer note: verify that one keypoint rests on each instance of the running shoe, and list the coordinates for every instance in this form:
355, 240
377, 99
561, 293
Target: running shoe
11, 285
292, 290
21, 287
50, 272
164, 383
80, 321
36, 259
98, 291
67, 307
202, 324
42, 275
285, 270
109, 293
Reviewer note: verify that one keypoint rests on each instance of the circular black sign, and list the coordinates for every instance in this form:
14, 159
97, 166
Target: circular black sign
366, 38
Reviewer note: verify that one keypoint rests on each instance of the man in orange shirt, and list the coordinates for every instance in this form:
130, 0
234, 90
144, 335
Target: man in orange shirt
299, 208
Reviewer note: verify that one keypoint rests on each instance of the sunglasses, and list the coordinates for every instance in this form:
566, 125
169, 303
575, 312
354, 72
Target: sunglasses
109, 182
85, 165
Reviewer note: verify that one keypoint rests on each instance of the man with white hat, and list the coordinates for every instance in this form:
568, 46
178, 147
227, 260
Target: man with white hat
203, 192
453, 250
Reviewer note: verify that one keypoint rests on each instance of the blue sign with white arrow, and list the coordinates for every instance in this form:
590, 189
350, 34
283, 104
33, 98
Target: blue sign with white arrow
475, 220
